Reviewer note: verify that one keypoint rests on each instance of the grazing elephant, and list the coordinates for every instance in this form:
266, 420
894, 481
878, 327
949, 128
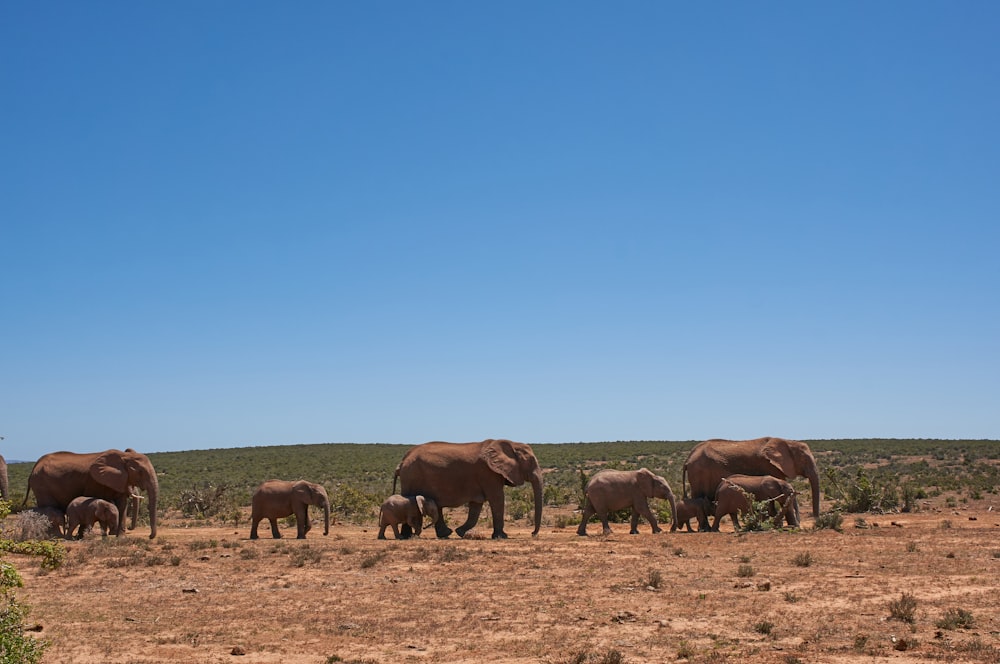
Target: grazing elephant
84, 512
735, 492
4, 484
56, 518
275, 499
712, 460
691, 508
454, 474
409, 510
610, 490
59, 477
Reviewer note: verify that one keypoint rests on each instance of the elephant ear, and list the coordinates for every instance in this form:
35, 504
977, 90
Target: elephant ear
501, 457
779, 457
109, 469
421, 505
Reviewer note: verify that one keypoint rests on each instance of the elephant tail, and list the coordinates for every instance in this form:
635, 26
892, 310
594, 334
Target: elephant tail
24, 503
684, 488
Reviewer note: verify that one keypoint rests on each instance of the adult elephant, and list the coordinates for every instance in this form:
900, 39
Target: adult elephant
713, 460
59, 477
276, 499
454, 474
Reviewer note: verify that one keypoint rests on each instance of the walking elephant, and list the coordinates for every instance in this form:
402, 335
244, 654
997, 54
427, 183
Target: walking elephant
84, 512
276, 499
712, 460
691, 508
408, 510
454, 474
610, 490
59, 477
735, 492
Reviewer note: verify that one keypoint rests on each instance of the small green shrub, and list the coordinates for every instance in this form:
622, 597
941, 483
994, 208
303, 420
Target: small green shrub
654, 579
829, 520
764, 627
955, 619
803, 559
745, 571
904, 609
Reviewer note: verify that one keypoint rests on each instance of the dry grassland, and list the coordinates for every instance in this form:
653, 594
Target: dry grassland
203, 594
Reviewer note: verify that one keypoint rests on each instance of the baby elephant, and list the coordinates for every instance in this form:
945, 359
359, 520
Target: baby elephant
410, 510
610, 490
734, 493
84, 512
691, 508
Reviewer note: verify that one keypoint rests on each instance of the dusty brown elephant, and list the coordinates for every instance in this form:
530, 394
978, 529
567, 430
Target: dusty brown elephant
84, 512
610, 490
454, 474
712, 460
276, 499
691, 508
735, 492
59, 477
408, 510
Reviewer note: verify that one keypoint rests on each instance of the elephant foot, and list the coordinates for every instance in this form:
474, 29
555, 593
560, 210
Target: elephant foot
582, 532
460, 531
657, 530
443, 532
499, 534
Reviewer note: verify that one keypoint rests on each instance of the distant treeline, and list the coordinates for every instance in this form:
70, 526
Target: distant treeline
361, 474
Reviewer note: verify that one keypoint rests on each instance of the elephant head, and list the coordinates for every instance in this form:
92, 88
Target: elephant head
313, 494
428, 508
4, 485
795, 459
516, 463
654, 486
123, 471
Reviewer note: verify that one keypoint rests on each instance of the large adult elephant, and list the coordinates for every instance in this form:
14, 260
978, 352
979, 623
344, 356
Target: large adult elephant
454, 474
712, 460
59, 477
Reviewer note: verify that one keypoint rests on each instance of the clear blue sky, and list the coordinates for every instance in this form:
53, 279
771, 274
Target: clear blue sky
229, 224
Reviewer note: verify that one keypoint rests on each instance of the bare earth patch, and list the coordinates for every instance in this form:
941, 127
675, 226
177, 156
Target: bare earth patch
213, 595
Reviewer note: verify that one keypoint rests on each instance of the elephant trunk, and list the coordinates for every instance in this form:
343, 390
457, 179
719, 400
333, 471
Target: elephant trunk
673, 509
326, 517
812, 474
152, 491
536, 485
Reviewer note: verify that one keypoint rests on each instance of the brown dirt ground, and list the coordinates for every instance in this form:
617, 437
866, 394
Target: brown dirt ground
554, 598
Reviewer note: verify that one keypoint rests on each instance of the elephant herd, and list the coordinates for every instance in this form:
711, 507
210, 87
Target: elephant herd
723, 475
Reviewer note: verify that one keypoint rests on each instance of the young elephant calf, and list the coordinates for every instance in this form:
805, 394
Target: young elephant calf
610, 490
691, 508
736, 491
410, 510
84, 512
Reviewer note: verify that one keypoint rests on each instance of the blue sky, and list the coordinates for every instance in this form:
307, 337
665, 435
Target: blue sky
231, 224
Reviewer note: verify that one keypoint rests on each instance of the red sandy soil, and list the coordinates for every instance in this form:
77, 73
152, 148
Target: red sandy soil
207, 594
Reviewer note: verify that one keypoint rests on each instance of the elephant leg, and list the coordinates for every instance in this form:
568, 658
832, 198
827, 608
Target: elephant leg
634, 523
253, 527
418, 528
715, 524
496, 509
441, 529
643, 508
381, 531
475, 509
274, 528
603, 516
407, 532
395, 531
588, 511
